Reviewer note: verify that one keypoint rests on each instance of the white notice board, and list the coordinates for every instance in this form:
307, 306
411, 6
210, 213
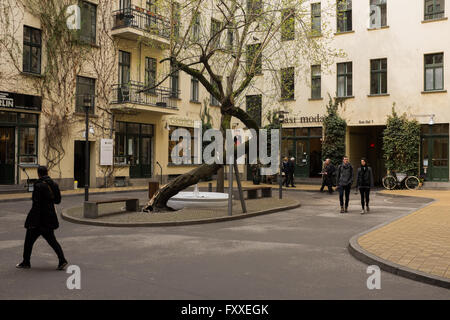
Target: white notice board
106, 152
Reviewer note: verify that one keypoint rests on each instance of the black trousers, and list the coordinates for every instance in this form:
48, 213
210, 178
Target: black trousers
326, 184
48, 235
344, 190
291, 178
365, 196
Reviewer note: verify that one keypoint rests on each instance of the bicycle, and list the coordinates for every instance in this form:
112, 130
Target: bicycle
401, 180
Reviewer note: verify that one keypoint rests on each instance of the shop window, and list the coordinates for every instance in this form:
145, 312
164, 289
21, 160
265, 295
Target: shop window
434, 72
288, 132
301, 132
27, 145
434, 9
31, 50
8, 117
378, 13
315, 132
193, 144
344, 15
378, 76
344, 79
28, 118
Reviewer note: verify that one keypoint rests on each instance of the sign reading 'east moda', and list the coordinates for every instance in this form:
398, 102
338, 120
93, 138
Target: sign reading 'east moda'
304, 119
6, 100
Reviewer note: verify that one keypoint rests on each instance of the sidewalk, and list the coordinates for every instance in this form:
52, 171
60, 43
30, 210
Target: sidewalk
419, 241
249, 184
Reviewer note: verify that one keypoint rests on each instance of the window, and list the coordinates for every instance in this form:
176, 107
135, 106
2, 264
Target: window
124, 67
254, 7
88, 22
150, 74
194, 143
287, 84
254, 62
194, 89
28, 134
344, 15
230, 39
174, 82
434, 9
316, 23
85, 87
316, 82
176, 19
378, 14
213, 101
151, 6
31, 50
196, 27
434, 72
215, 33
378, 76
253, 106
344, 79
288, 25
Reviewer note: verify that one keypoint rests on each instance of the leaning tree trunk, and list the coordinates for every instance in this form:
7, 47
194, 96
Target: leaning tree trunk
159, 200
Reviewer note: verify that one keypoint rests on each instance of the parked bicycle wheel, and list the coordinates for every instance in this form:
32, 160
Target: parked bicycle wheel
389, 182
412, 182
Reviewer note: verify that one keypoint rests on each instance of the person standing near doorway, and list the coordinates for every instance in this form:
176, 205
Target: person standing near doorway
364, 181
42, 219
344, 183
285, 171
328, 175
291, 170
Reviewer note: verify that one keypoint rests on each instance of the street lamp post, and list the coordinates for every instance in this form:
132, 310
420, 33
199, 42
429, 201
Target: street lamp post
87, 103
281, 114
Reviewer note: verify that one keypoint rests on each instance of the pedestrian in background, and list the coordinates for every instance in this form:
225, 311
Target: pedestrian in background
364, 181
328, 176
291, 170
42, 219
344, 183
285, 171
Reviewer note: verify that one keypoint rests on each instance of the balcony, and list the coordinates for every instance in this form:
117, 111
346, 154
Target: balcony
135, 23
135, 96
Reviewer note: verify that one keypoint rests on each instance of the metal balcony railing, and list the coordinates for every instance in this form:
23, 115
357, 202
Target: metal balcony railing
139, 19
136, 92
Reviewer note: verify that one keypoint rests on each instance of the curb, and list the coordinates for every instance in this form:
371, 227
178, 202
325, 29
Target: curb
364, 256
66, 217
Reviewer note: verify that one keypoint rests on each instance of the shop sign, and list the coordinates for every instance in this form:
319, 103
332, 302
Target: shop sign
106, 152
182, 122
304, 119
6, 100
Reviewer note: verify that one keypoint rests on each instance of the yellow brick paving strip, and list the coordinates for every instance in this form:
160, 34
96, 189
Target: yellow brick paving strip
419, 241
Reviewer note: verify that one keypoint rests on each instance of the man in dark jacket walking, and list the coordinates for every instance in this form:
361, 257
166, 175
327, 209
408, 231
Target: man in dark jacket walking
42, 219
344, 183
364, 181
328, 176
291, 170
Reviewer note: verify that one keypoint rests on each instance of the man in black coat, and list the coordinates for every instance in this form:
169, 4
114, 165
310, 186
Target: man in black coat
328, 175
364, 182
291, 170
42, 219
344, 183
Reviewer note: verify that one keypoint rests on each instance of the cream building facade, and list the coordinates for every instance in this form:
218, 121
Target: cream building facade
396, 52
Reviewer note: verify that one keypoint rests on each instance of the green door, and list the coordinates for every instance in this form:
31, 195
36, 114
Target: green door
435, 158
7, 151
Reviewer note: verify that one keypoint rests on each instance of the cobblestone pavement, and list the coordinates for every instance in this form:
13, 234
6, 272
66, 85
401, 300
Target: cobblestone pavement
419, 241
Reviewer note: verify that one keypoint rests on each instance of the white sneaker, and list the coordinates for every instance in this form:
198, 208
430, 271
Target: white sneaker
363, 211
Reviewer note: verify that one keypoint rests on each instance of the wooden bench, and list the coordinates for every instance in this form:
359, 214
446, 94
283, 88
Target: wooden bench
91, 207
252, 193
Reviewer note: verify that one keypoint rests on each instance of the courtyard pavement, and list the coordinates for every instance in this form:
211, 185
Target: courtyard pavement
296, 254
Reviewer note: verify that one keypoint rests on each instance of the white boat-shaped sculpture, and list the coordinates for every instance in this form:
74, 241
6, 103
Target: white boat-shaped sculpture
197, 199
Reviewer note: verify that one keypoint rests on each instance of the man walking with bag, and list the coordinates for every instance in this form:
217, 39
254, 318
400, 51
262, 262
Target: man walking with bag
328, 173
42, 219
344, 183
